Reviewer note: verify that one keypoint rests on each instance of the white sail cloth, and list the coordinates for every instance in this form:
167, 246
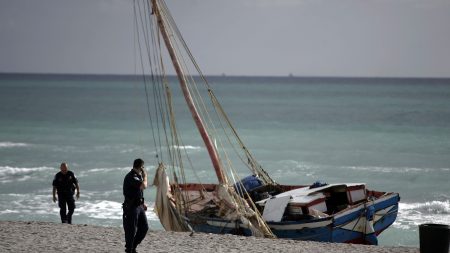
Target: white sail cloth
164, 207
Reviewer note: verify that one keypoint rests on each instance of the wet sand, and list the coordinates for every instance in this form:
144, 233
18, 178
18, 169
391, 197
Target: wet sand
56, 237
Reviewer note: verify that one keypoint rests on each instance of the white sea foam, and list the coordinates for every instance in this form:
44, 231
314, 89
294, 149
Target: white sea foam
105, 209
386, 169
294, 165
187, 147
410, 215
102, 209
10, 174
85, 173
8, 211
400, 170
108, 169
128, 150
292, 170
396, 169
27, 205
87, 195
8, 144
41, 207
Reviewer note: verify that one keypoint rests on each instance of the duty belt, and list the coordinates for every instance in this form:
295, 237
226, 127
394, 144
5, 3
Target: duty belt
133, 202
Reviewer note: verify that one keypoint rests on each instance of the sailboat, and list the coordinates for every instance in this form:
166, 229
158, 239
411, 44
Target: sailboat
250, 204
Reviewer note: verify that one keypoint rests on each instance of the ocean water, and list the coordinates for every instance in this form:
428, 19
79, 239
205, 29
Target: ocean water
392, 134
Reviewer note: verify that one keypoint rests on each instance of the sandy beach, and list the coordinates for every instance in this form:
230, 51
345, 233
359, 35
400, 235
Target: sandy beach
54, 237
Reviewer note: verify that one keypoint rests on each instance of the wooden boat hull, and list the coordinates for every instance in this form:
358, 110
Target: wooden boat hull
348, 226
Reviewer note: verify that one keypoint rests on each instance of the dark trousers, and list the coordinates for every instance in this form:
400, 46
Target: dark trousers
63, 201
135, 226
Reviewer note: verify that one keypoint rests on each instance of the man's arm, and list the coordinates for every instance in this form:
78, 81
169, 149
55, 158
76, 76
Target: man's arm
75, 183
54, 194
144, 179
144, 184
78, 190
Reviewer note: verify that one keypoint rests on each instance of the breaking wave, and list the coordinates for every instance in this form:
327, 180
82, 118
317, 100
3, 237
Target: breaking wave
39, 206
9, 174
410, 215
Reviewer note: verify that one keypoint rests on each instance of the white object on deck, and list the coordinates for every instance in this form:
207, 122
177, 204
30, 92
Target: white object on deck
274, 208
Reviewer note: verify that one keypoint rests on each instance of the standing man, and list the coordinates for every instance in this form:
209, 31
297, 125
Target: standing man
134, 218
65, 184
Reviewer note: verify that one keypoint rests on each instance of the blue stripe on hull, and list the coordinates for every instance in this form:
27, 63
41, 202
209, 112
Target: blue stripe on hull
389, 218
388, 202
321, 234
386, 220
344, 235
356, 214
316, 232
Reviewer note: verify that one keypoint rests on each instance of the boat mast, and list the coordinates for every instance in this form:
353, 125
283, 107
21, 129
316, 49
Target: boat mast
187, 95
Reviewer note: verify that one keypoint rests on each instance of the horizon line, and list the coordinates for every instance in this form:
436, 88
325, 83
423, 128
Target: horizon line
213, 75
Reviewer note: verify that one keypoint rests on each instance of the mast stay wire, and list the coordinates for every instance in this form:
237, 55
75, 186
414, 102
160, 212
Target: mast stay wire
139, 10
175, 143
158, 84
254, 165
195, 92
174, 154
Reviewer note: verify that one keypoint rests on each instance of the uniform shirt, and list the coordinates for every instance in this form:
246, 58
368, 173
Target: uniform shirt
65, 183
132, 186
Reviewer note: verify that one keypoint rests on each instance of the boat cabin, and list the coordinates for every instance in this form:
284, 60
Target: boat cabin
316, 202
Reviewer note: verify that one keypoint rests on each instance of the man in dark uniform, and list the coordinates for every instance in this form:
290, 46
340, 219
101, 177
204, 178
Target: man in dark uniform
65, 184
134, 218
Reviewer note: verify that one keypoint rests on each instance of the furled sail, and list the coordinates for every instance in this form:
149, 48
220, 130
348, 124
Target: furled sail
165, 207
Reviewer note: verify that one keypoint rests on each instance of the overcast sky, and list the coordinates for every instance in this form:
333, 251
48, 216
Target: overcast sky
393, 38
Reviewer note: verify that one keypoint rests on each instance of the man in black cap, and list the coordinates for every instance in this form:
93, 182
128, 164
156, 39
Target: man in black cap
65, 184
134, 218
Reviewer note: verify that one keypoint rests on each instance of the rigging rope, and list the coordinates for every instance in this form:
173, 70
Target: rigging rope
254, 166
163, 107
144, 77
